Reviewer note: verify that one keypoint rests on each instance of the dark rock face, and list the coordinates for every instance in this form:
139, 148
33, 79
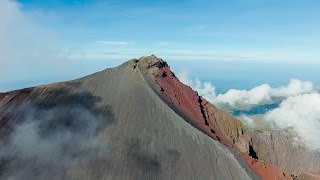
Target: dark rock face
203, 115
278, 147
109, 125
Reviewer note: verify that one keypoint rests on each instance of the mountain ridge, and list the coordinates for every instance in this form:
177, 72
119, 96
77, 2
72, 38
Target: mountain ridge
149, 135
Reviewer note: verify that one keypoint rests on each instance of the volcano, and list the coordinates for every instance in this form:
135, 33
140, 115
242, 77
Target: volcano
134, 121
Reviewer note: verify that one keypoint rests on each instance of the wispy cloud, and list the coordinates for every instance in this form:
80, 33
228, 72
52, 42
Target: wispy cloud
29, 140
171, 43
205, 89
119, 43
196, 28
165, 53
302, 115
248, 121
24, 45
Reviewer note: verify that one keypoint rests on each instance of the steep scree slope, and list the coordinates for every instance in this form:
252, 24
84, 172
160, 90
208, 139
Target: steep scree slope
111, 125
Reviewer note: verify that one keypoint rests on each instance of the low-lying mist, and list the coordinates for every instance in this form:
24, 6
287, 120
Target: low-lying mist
301, 114
53, 140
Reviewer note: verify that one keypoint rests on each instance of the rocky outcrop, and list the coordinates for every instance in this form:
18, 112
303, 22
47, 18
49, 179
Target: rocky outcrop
267, 171
219, 125
278, 147
201, 114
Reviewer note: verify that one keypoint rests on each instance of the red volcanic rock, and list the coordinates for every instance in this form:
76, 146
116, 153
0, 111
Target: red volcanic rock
203, 115
5, 98
189, 102
2, 95
206, 117
16, 98
266, 171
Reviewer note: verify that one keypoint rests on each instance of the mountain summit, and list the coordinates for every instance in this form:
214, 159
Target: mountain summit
135, 121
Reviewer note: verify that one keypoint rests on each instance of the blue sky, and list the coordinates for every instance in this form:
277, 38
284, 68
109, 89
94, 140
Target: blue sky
47, 41
269, 30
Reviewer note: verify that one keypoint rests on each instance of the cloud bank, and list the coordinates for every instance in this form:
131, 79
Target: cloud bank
301, 114
264, 92
254, 96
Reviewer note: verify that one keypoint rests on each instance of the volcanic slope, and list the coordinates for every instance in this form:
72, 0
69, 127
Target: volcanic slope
108, 125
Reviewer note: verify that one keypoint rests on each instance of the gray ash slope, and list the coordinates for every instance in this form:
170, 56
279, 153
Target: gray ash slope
108, 125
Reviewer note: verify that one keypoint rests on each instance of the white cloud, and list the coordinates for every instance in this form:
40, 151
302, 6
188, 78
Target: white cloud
264, 93
302, 114
171, 43
254, 96
9, 16
23, 43
247, 121
206, 89
295, 87
115, 43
